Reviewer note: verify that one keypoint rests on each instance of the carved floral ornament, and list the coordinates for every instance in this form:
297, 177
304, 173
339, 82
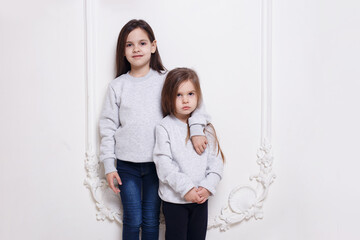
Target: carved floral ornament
244, 201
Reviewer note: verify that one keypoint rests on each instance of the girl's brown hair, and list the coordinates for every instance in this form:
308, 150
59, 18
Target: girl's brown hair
171, 86
122, 64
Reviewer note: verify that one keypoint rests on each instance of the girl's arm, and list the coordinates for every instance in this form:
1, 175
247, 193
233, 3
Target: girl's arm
167, 170
214, 168
197, 122
108, 124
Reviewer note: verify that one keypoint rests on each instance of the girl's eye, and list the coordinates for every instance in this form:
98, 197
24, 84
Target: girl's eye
191, 94
143, 43
128, 45
178, 95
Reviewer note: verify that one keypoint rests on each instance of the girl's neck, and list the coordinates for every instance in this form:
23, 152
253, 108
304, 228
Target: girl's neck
183, 118
139, 72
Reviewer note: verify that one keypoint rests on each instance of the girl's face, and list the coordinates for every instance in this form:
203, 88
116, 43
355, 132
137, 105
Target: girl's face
186, 100
138, 49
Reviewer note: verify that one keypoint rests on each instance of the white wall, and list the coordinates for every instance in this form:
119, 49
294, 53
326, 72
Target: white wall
42, 102
316, 118
315, 115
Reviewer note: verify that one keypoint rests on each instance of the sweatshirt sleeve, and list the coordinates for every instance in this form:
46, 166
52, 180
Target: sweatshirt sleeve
198, 120
108, 124
214, 169
167, 169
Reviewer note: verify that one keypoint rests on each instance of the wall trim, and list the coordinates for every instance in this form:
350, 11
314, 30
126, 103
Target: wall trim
244, 201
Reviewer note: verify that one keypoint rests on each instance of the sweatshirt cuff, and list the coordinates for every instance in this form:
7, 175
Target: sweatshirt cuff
187, 189
210, 183
196, 130
109, 165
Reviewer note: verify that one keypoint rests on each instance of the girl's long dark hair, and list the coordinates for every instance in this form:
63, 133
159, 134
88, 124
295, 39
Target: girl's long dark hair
122, 64
171, 86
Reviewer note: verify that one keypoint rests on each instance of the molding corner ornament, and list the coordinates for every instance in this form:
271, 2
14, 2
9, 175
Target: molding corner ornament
244, 202
98, 188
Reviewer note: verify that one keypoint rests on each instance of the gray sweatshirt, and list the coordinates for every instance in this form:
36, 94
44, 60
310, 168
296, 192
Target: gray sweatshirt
131, 110
178, 166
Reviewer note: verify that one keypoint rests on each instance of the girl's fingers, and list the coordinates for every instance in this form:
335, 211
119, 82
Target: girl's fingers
110, 179
198, 151
204, 146
201, 194
115, 189
112, 186
204, 193
202, 200
118, 179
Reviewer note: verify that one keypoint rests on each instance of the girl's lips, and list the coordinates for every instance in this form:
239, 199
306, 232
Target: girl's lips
137, 56
186, 108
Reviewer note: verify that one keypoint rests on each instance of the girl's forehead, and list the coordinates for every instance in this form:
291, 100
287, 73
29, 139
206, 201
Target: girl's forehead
137, 34
187, 85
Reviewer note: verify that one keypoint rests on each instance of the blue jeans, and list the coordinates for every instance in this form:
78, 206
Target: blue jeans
140, 199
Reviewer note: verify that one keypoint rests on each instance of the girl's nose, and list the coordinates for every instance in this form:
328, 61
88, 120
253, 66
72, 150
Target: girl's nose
136, 48
185, 100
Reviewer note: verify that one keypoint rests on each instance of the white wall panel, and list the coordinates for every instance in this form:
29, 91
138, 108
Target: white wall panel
222, 42
42, 140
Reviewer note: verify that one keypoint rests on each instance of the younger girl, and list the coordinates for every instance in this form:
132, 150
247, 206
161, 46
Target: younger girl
130, 113
186, 178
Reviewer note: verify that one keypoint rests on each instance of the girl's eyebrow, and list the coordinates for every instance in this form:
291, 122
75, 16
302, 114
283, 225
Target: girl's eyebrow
186, 91
141, 40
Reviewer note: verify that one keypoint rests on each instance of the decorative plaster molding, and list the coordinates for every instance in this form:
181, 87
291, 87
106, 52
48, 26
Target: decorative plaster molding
244, 202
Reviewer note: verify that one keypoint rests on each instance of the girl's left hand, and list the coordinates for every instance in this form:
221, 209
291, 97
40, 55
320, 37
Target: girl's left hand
203, 193
199, 143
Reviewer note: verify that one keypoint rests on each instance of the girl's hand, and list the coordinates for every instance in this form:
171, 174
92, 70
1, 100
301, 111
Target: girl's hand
199, 143
193, 196
203, 193
110, 179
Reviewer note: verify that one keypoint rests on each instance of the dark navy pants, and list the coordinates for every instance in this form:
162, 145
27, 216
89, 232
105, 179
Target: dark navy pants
140, 200
185, 221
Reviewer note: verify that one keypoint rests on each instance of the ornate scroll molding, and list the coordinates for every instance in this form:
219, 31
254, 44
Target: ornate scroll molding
108, 204
244, 202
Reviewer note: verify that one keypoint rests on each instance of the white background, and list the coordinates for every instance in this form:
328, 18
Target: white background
315, 109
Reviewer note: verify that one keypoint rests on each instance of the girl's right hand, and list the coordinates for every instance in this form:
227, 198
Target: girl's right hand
199, 143
203, 193
193, 196
110, 179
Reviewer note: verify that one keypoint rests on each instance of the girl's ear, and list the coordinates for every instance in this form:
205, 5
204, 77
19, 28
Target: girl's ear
153, 46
